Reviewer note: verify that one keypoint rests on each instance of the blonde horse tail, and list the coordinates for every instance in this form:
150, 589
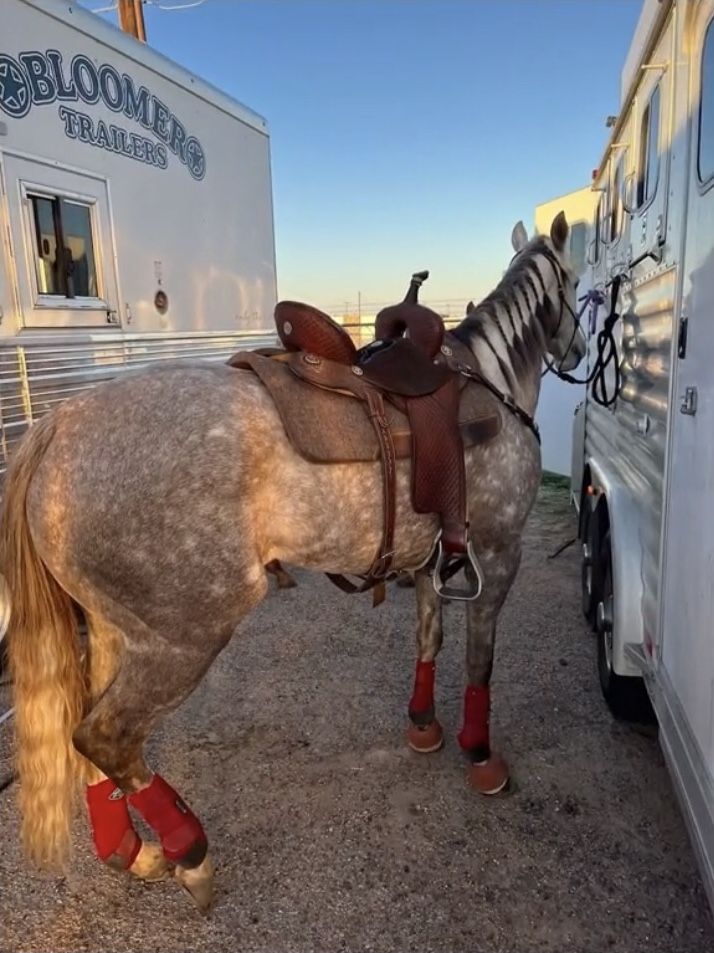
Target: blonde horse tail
45, 666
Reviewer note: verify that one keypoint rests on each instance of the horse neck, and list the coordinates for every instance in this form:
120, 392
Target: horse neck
506, 332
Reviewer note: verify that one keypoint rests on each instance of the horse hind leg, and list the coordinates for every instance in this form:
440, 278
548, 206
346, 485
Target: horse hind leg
425, 733
115, 839
154, 674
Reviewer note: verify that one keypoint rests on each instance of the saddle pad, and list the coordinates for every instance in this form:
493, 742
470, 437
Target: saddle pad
330, 427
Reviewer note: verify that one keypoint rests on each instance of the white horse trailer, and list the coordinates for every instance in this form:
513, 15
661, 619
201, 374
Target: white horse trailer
136, 220
643, 470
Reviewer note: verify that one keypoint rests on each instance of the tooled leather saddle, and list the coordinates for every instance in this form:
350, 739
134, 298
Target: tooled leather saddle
400, 396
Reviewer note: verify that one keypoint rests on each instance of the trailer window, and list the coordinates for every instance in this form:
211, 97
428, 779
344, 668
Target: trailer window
64, 247
597, 225
705, 158
648, 166
616, 203
596, 246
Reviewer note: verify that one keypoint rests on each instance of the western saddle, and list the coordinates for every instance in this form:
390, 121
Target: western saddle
414, 401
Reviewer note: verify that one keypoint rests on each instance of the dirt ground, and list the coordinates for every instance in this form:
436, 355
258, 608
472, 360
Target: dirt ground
328, 834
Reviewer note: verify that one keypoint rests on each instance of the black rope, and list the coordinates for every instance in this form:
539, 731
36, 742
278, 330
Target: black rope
607, 354
561, 549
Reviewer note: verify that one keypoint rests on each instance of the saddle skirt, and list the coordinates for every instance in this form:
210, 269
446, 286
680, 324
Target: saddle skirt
327, 425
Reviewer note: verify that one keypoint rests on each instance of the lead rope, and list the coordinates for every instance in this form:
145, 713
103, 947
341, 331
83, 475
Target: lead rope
606, 348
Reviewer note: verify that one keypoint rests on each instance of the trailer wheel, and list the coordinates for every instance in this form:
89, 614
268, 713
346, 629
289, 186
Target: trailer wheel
591, 566
625, 695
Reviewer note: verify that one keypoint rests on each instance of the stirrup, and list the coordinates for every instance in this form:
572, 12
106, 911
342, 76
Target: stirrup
447, 565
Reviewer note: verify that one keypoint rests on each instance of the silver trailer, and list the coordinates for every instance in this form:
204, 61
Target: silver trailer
643, 469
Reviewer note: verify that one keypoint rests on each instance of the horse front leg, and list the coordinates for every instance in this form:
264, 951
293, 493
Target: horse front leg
425, 734
489, 772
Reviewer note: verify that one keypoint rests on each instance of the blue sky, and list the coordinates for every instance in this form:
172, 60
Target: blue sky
409, 134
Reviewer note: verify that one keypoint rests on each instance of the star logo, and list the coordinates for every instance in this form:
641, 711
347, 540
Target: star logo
195, 158
15, 98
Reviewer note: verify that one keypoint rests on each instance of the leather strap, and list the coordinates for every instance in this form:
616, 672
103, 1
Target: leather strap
438, 473
379, 569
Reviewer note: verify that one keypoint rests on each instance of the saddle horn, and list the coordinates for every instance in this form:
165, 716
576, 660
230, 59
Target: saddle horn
418, 279
424, 326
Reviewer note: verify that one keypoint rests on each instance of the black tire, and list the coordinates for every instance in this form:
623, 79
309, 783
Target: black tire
591, 567
625, 695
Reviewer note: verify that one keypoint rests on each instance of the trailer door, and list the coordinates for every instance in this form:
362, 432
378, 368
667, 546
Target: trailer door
687, 647
61, 244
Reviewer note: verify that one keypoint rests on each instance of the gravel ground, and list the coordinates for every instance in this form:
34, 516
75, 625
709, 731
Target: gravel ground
328, 834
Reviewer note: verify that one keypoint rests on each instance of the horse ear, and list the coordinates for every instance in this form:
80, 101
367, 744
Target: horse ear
559, 231
470, 307
519, 236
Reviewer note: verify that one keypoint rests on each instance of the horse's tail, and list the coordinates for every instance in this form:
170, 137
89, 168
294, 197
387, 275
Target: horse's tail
45, 665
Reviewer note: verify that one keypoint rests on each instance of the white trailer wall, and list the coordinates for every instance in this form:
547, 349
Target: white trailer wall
177, 173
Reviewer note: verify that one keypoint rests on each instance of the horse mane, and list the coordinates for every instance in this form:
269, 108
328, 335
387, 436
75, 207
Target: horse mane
520, 271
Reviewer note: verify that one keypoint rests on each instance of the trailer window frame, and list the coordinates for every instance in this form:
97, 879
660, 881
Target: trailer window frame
64, 298
597, 240
645, 197
616, 206
707, 182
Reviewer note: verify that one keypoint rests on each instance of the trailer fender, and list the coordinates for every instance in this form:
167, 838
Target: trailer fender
620, 510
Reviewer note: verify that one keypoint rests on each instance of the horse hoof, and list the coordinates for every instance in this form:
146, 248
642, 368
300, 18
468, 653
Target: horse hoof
150, 863
491, 776
286, 581
425, 739
198, 882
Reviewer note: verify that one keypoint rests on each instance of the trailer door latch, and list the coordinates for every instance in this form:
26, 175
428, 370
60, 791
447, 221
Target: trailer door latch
688, 403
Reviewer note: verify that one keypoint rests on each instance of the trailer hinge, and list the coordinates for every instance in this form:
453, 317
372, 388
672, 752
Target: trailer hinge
688, 402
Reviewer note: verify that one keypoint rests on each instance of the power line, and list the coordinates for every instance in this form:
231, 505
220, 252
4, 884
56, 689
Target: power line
172, 7
175, 6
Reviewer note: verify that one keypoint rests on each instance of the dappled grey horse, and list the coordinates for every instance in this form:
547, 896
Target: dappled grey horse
151, 506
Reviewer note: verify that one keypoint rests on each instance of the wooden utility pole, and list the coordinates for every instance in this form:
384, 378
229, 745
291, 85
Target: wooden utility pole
131, 18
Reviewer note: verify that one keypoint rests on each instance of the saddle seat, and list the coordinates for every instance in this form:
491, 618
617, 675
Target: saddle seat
397, 397
392, 362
